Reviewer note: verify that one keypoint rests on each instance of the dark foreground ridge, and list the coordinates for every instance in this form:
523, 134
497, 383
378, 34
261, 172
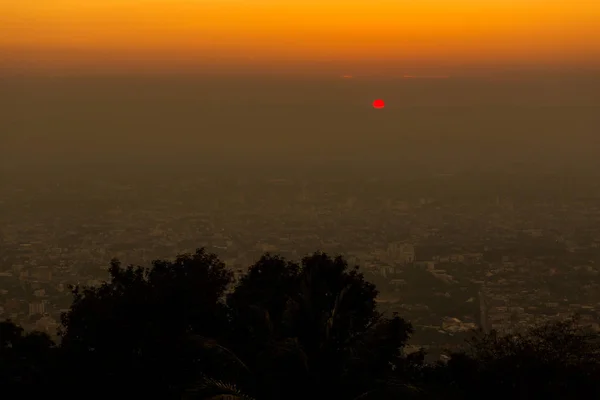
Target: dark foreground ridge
285, 330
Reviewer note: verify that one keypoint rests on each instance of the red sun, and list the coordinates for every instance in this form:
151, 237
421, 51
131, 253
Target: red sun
378, 103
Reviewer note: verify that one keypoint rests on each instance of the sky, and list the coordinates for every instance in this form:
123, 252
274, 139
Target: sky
541, 110
274, 35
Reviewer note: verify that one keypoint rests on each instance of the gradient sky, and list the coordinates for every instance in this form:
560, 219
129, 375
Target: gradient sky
159, 34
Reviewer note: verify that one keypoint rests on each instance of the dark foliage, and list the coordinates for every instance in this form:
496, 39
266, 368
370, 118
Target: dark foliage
27, 361
286, 330
315, 328
559, 360
130, 334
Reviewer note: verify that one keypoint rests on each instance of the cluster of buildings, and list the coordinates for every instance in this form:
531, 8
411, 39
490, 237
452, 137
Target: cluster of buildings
448, 263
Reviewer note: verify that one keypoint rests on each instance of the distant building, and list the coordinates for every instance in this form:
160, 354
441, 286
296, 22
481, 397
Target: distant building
37, 308
43, 274
484, 322
401, 253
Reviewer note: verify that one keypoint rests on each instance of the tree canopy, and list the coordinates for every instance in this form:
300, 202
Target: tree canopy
294, 330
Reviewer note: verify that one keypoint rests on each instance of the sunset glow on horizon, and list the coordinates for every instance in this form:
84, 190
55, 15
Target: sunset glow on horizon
156, 34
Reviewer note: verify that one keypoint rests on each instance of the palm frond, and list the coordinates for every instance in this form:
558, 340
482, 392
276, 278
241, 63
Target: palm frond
227, 397
291, 346
402, 386
364, 395
390, 386
211, 344
336, 306
215, 389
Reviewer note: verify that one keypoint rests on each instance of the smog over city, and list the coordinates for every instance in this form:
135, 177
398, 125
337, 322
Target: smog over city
273, 200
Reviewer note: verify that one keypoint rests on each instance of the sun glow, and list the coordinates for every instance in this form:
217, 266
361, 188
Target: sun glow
268, 32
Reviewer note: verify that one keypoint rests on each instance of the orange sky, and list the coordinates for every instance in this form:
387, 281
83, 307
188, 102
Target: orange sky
162, 33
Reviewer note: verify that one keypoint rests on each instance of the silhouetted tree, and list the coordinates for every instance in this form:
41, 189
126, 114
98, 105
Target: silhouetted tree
286, 330
27, 361
311, 329
556, 360
129, 335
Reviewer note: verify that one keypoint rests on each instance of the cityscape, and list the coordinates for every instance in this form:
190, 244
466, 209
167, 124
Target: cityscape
447, 255
267, 200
